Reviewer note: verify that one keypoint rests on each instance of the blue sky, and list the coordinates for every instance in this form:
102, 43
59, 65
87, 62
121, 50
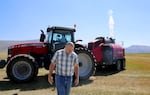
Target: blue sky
23, 19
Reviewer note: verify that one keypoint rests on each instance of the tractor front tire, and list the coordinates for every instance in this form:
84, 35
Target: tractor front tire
86, 63
21, 70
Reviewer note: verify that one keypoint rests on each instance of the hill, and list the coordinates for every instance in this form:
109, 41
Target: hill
138, 49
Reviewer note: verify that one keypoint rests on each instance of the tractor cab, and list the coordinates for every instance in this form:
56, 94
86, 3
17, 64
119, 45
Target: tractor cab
57, 37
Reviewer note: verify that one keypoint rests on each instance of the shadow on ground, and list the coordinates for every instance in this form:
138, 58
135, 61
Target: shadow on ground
41, 82
108, 71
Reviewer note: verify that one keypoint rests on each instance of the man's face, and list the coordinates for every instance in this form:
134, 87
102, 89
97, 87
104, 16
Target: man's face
69, 48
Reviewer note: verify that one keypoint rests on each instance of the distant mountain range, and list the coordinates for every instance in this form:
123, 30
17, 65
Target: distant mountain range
138, 49
132, 49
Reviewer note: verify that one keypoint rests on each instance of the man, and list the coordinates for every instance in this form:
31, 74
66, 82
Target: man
66, 63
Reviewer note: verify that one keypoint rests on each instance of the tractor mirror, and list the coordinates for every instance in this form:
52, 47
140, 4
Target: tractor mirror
42, 37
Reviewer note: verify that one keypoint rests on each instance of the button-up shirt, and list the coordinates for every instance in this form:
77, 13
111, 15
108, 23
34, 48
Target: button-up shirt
64, 62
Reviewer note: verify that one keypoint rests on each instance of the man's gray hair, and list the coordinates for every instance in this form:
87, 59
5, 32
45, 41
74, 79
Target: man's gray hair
71, 44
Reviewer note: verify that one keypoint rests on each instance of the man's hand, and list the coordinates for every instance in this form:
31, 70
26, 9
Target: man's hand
76, 82
50, 79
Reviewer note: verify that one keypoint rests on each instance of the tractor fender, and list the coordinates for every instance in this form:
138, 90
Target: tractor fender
23, 55
79, 46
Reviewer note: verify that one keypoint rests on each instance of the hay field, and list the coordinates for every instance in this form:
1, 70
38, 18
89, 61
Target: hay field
135, 80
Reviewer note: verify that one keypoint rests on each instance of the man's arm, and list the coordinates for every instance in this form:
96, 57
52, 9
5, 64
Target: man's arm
51, 69
76, 70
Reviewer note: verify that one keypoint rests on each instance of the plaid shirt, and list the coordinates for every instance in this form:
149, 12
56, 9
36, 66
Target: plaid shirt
64, 62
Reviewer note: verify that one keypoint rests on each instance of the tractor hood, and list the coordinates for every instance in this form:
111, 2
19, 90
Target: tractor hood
28, 48
35, 44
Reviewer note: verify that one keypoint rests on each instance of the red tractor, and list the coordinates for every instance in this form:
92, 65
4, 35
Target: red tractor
25, 59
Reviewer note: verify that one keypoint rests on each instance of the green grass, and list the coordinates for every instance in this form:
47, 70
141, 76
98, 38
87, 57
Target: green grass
138, 62
3, 55
135, 80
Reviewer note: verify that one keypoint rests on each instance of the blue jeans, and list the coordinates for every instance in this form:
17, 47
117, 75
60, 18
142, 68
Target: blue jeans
63, 84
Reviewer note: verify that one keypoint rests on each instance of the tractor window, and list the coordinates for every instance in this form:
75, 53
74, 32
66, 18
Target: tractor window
49, 37
60, 39
57, 37
68, 37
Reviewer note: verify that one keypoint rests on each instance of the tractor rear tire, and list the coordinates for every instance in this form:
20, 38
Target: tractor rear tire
21, 70
86, 63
